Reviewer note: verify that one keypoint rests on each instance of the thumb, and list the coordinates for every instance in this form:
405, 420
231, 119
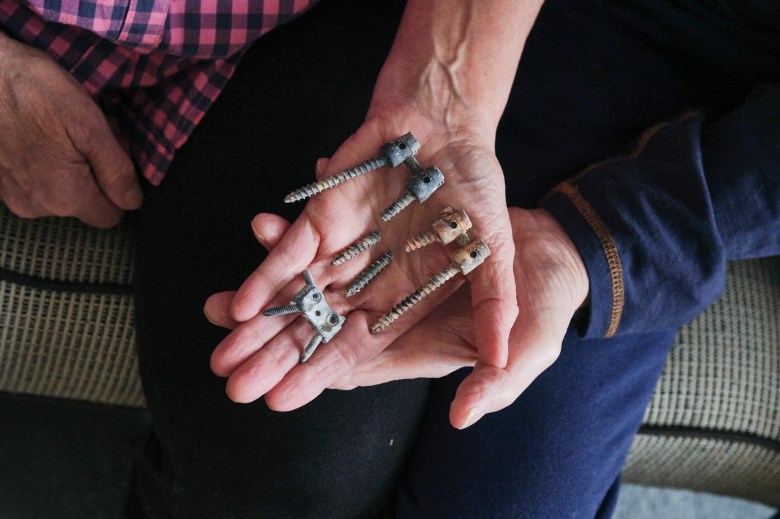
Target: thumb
112, 168
535, 344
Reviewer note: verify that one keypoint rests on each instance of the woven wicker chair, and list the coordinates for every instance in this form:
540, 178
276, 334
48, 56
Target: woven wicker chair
66, 330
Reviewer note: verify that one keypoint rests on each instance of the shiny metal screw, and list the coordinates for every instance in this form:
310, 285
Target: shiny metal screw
372, 271
362, 245
391, 154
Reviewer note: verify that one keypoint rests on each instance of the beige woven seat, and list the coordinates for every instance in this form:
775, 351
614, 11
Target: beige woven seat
66, 330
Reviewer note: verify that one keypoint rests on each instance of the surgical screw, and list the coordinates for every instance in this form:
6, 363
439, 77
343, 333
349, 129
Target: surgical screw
282, 310
464, 260
310, 303
420, 186
414, 298
452, 226
362, 245
309, 349
391, 154
372, 271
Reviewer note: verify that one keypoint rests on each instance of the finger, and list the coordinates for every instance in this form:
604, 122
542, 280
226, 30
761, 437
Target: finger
261, 371
217, 310
251, 336
287, 260
268, 229
112, 168
75, 193
332, 361
321, 166
536, 344
494, 299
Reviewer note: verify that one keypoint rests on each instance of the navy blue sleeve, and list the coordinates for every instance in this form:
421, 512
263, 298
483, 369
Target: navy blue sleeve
656, 227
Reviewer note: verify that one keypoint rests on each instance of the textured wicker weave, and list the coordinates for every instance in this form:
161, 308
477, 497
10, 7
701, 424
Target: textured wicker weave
714, 421
66, 311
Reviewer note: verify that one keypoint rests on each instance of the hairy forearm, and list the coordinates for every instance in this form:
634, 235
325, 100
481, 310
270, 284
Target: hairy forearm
458, 57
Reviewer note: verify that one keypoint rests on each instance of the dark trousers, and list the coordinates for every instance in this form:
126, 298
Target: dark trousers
593, 75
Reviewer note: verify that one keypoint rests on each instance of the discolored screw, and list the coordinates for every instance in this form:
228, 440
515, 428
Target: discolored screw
391, 154
372, 271
464, 260
412, 299
362, 245
452, 226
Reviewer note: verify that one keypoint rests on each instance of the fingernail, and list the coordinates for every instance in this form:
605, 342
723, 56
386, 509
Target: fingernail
208, 317
475, 413
320, 166
257, 234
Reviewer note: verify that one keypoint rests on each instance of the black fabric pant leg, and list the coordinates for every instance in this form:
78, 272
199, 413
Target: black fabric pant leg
297, 95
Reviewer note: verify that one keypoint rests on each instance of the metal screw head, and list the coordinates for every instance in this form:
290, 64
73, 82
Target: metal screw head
423, 184
395, 152
452, 224
471, 256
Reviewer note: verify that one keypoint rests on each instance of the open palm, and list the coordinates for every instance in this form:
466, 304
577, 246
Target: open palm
552, 284
261, 355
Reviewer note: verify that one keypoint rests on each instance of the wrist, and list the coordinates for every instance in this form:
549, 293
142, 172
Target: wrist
455, 60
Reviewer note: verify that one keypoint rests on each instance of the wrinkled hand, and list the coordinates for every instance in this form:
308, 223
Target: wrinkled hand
261, 355
552, 283
58, 156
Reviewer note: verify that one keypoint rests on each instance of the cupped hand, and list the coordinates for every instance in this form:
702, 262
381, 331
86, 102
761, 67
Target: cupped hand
252, 355
552, 284
58, 156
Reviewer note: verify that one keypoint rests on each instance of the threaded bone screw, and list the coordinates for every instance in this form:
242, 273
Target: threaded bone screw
363, 244
282, 310
421, 241
391, 154
334, 180
414, 298
372, 271
420, 186
397, 206
309, 349
464, 260
452, 226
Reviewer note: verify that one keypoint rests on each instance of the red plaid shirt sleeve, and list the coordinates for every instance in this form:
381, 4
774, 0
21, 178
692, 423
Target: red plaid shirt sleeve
155, 65
194, 28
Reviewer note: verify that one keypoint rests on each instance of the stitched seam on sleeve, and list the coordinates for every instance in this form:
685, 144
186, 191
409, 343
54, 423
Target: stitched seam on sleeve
608, 246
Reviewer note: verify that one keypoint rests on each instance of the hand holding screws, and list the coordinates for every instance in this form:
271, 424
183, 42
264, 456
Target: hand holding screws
452, 225
392, 154
464, 260
310, 303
